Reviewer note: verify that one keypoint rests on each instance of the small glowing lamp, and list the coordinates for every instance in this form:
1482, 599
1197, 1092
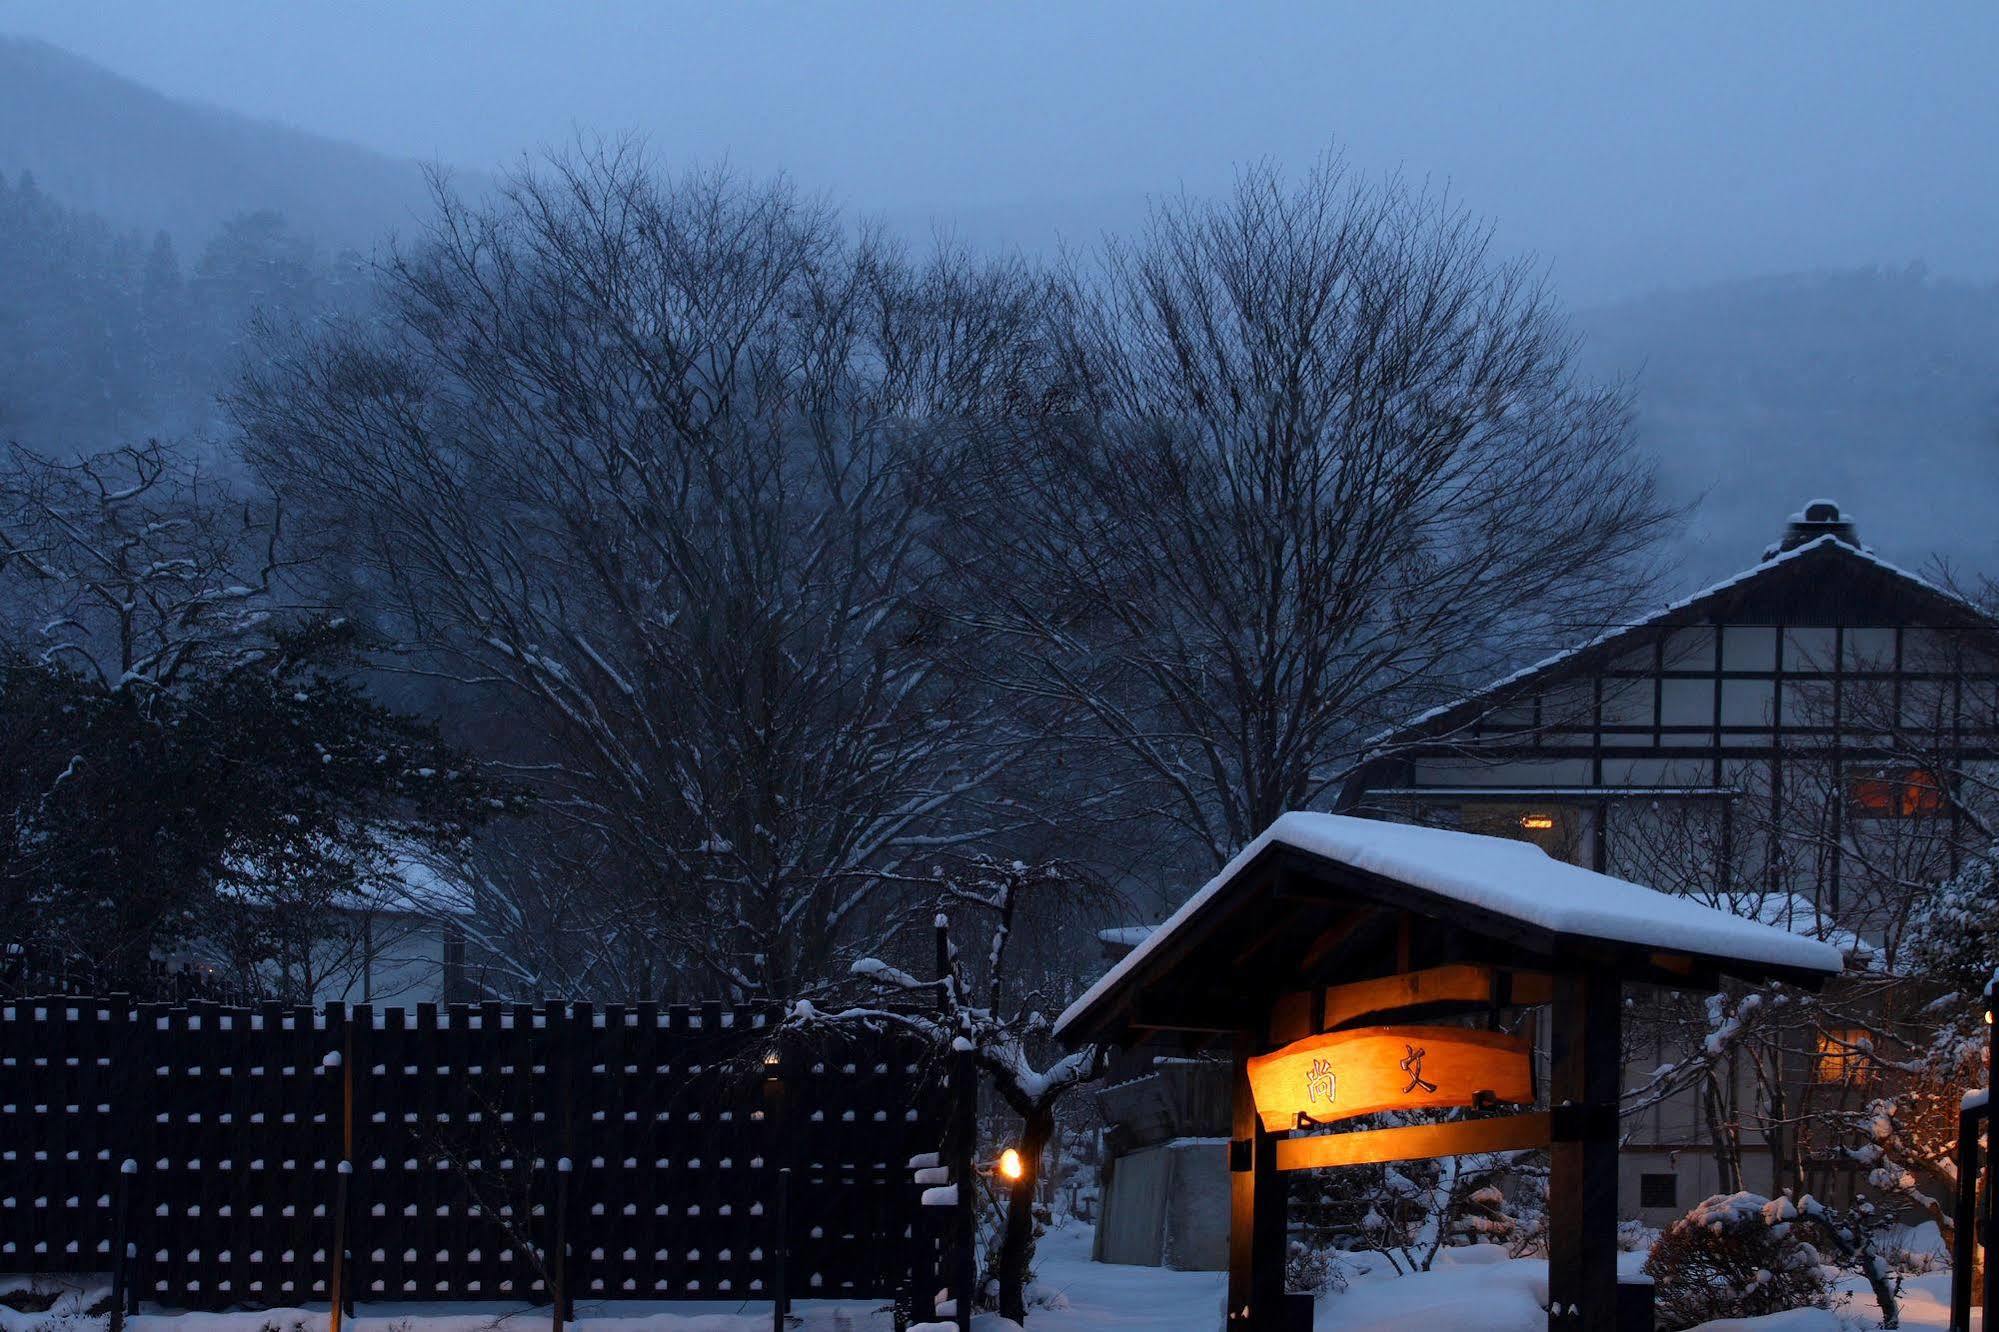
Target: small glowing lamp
1011, 1167
1537, 822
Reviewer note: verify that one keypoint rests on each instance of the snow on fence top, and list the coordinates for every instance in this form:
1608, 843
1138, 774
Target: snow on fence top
1504, 877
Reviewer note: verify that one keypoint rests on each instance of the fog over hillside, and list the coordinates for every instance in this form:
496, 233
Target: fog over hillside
141, 160
1878, 388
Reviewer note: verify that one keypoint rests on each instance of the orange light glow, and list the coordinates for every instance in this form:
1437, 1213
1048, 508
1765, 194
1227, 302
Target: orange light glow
1537, 822
1010, 1165
1342, 1074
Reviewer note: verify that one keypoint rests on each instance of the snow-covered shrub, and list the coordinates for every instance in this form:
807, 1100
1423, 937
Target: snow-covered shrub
1313, 1269
1635, 1237
1413, 1210
1738, 1255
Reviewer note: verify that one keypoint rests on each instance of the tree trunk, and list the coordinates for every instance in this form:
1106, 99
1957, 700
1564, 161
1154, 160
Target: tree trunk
1727, 1152
1017, 1240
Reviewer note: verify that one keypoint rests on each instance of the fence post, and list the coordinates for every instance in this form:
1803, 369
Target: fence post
120, 1276
559, 1273
780, 1307
558, 1022
133, 1120
338, 1298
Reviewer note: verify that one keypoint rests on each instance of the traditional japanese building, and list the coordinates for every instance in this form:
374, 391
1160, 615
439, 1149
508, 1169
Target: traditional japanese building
1804, 743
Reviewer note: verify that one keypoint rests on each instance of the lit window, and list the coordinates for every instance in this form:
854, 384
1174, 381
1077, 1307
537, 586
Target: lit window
1900, 793
1841, 1057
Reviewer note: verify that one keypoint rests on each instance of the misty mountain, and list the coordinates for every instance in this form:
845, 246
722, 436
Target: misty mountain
142, 160
1877, 389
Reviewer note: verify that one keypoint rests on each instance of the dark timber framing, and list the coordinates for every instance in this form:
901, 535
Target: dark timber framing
1754, 677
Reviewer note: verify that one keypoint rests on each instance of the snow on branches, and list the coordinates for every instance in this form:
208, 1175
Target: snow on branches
990, 1016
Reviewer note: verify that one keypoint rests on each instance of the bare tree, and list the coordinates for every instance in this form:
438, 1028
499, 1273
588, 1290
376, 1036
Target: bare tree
137, 567
990, 1007
654, 463
1310, 458
191, 763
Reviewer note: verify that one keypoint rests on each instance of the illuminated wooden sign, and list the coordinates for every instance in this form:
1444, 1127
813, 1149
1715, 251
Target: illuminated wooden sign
1347, 1073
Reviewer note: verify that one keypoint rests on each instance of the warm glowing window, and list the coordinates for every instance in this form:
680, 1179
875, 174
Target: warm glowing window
1841, 1056
1902, 793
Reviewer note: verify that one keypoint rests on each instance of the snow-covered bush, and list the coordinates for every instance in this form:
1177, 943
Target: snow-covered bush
1635, 1237
1313, 1269
1905, 1134
1738, 1255
1413, 1210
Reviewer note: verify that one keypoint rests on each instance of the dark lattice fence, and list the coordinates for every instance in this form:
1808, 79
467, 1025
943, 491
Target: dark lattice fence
650, 1139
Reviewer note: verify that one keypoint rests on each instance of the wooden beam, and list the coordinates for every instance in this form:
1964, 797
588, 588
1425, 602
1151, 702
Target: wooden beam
1586, 1064
1324, 946
1471, 985
1508, 1133
1291, 1018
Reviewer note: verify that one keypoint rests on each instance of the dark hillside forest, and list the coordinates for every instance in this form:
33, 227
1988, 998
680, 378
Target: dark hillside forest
107, 336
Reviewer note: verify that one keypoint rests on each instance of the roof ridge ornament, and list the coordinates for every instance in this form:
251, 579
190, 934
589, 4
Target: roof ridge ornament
1819, 518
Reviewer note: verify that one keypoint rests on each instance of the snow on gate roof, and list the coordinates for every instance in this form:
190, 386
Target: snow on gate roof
1494, 877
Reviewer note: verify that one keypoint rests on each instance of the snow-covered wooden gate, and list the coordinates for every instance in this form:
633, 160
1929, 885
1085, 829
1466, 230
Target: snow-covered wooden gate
1326, 949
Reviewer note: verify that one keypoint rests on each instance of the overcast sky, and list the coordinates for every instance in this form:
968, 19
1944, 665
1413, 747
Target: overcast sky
1630, 146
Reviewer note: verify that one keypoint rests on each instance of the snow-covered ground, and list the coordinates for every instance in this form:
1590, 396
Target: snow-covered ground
1471, 1290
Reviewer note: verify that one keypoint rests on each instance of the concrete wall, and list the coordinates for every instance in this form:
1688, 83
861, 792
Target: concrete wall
1168, 1206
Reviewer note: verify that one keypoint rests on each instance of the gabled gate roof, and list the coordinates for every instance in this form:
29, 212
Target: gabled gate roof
1310, 902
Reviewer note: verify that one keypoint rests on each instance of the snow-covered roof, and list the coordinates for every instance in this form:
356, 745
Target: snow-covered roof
1798, 914
1498, 876
1770, 563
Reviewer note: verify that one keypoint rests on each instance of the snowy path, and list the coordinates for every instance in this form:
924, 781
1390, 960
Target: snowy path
1472, 1290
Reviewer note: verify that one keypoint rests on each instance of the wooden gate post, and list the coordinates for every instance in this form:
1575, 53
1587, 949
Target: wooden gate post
1258, 1195
1964, 1249
964, 1172
1586, 1051
1989, 1229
